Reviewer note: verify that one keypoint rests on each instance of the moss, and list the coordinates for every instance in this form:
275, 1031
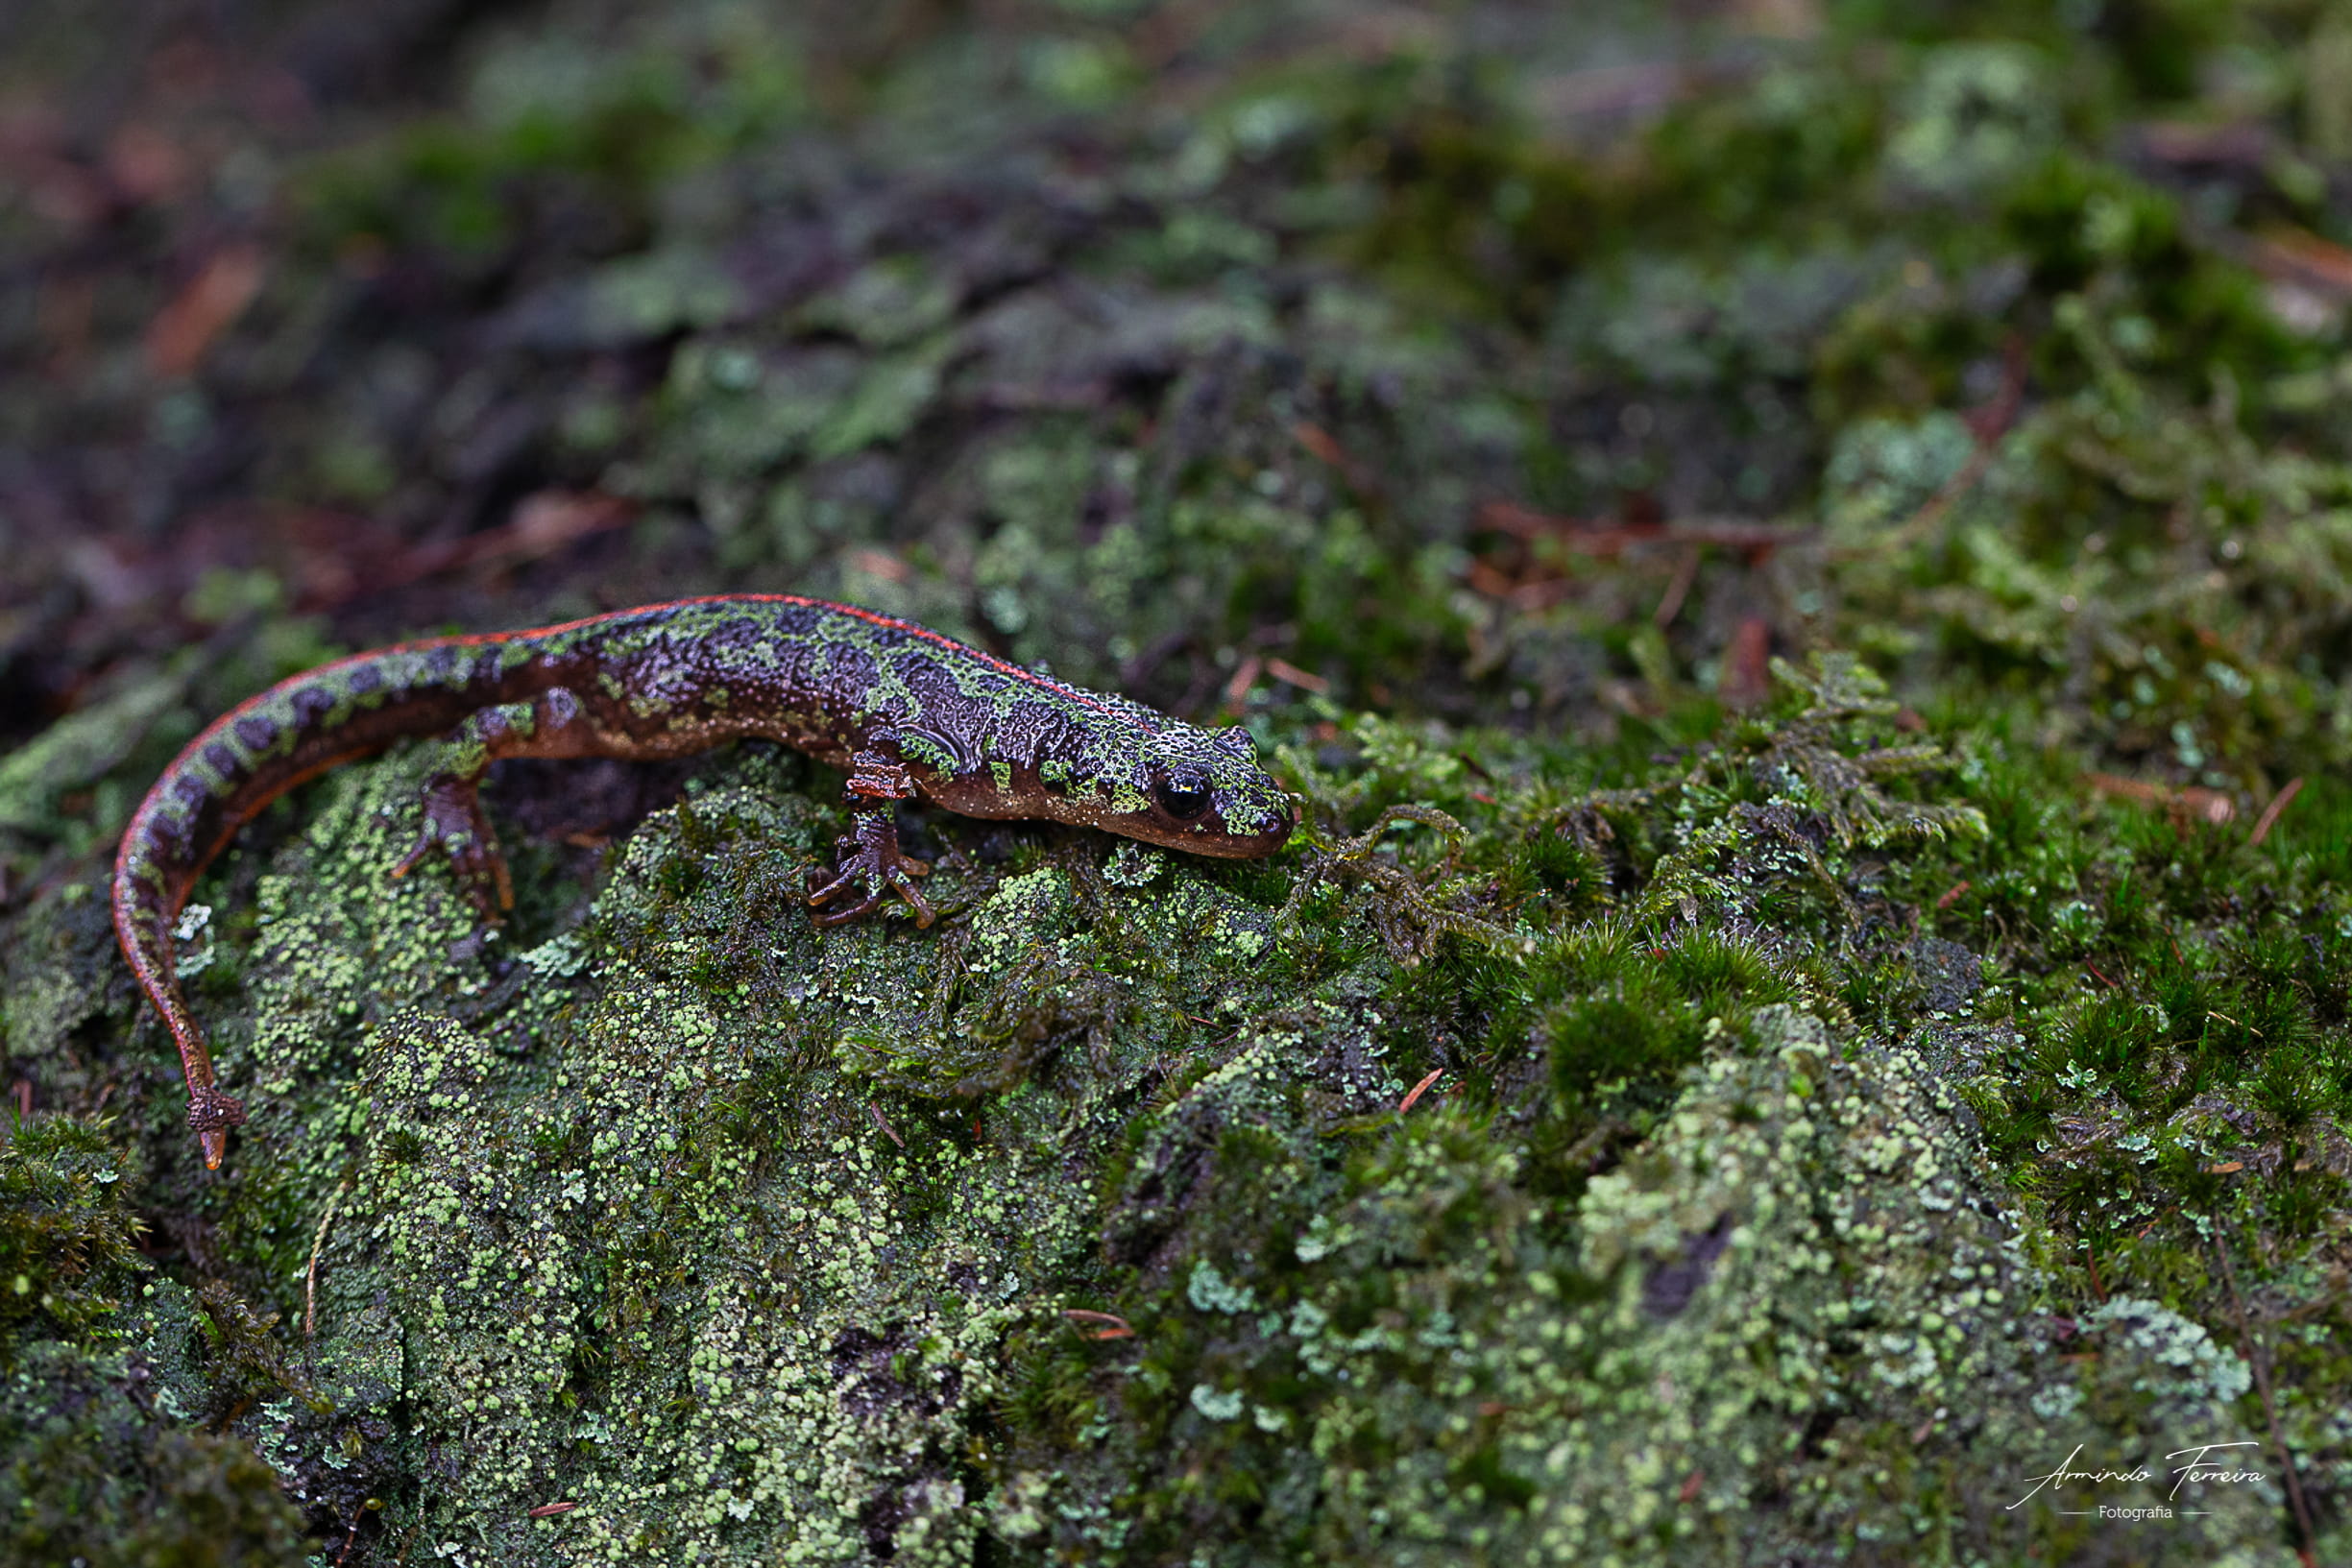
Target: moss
548, 1193
103, 1455
69, 1236
1667, 1104
90, 1469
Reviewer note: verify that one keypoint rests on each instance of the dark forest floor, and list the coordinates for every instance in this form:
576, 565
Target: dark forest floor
1832, 522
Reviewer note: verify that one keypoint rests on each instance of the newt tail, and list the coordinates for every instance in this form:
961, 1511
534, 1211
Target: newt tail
908, 713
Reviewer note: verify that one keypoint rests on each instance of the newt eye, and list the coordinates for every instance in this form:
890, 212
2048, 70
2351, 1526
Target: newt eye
1184, 795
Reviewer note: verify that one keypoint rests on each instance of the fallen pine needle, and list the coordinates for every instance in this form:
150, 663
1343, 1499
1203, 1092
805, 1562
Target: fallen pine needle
1282, 669
311, 1279
185, 329
1115, 1327
2270, 812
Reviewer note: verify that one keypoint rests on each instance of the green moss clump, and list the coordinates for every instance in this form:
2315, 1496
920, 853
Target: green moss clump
1412, 1355
1795, 557
103, 1457
91, 1470
68, 1235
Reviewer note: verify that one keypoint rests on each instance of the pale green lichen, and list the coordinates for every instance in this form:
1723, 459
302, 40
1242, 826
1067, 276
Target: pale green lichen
527, 1223
1617, 1127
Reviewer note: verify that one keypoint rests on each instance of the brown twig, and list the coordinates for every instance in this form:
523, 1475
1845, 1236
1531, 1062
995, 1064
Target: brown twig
2134, 790
185, 329
2187, 803
1420, 1089
1325, 448
875, 1111
542, 524
1747, 665
1282, 669
2270, 813
1611, 536
2270, 1406
2287, 255
1244, 679
1670, 605
1116, 1327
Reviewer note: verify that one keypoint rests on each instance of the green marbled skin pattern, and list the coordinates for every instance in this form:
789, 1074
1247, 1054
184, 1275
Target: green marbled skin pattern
911, 713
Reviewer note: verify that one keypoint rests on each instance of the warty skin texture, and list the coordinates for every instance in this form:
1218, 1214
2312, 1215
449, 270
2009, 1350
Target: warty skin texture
911, 715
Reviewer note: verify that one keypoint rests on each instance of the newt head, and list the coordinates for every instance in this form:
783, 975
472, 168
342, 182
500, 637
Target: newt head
1160, 780
1203, 792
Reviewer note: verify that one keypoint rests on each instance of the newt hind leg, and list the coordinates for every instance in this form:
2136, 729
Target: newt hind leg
553, 724
455, 826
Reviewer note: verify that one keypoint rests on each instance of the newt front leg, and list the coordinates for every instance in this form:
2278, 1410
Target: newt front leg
870, 852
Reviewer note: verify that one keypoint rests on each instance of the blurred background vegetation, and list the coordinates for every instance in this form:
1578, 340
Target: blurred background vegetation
1846, 505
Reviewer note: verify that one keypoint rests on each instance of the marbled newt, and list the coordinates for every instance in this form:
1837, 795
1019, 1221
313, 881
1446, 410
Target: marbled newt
909, 714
